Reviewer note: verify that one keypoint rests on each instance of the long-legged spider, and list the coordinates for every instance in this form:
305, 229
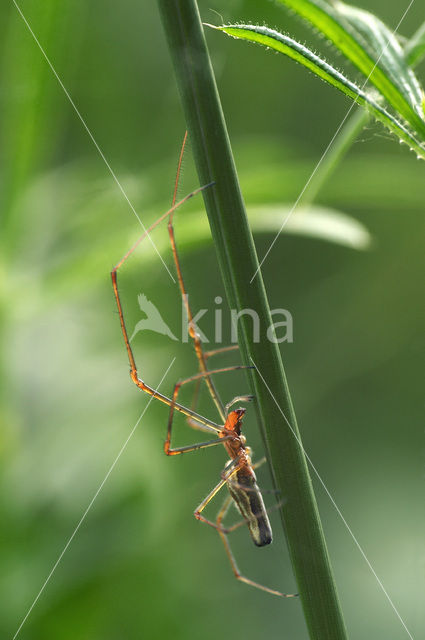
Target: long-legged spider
238, 474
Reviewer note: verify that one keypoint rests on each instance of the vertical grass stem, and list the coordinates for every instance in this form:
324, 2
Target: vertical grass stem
238, 262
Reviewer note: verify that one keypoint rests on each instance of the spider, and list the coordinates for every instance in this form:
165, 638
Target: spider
238, 474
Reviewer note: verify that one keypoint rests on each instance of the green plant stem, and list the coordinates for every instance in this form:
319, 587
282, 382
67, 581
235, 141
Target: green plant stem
333, 156
238, 263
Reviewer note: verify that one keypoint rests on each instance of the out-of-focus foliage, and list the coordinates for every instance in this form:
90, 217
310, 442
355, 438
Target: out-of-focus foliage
140, 566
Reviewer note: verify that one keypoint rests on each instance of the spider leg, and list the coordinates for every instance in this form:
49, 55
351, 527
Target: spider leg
169, 450
223, 532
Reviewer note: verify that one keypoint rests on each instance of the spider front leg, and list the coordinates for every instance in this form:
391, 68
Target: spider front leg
169, 450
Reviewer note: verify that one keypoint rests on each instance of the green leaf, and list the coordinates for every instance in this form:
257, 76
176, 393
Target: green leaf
300, 53
372, 48
388, 52
321, 223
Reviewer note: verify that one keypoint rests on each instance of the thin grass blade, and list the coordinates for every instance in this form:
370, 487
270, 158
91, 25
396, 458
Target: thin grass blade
238, 264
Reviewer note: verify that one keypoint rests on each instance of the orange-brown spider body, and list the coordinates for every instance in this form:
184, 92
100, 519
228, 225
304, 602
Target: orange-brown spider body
242, 484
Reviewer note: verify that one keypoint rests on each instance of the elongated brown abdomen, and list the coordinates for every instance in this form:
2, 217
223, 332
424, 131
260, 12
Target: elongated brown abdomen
247, 495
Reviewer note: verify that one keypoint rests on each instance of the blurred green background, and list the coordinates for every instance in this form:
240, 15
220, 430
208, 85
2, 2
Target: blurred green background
140, 566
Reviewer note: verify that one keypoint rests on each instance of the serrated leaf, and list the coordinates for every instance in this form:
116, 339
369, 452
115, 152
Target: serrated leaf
387, 50
321, 68
373, 48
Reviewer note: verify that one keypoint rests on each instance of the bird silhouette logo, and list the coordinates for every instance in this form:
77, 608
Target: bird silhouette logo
153, 320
